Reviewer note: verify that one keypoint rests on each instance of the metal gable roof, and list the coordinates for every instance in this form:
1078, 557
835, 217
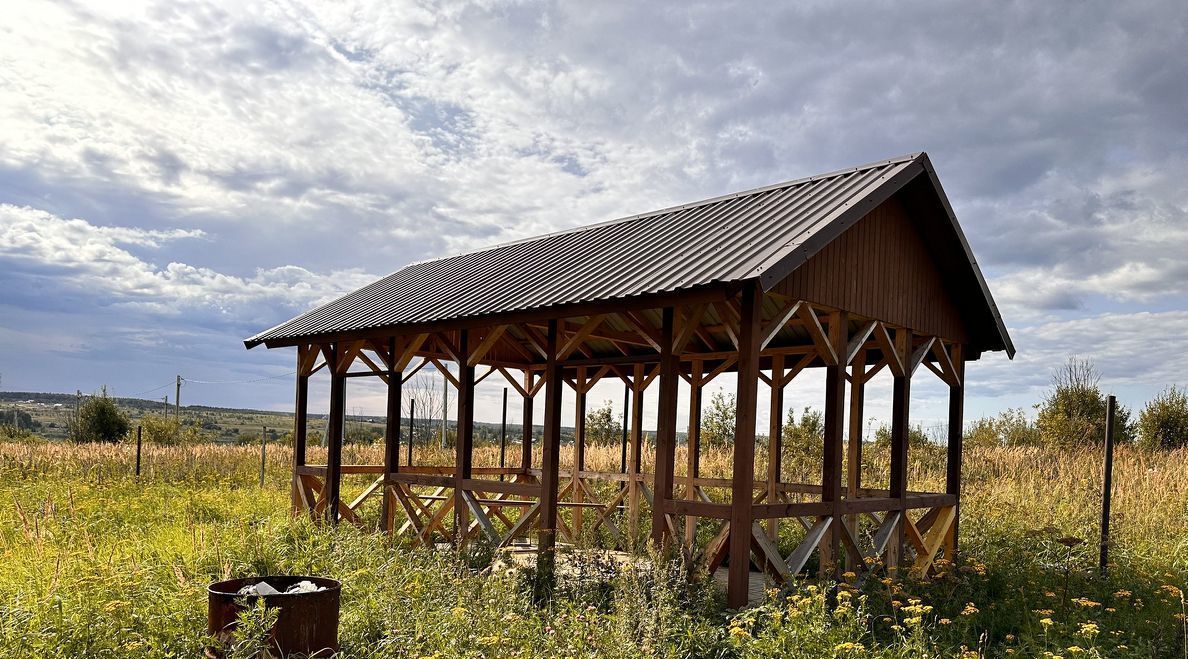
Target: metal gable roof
762, 233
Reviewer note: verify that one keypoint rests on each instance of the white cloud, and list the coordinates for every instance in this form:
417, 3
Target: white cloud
304, 146
82, 257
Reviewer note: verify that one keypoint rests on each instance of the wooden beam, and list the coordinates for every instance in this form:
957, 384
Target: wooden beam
581, 335
410, 350
900, 406
775, 439
535, 340
856, 343
729, 321
485, 345
796, 368
743, 476
635, 450
693, 448
300, 424
526, 431
947, 364
550, 463
392, 427
512, 381
777, 323
334, 437
646, 331
464, 445
891, 352
445, 372
689, 327
854, 445
581, 387
919, 354
666, 420
447, 346
831, 468
956, 440
812, 324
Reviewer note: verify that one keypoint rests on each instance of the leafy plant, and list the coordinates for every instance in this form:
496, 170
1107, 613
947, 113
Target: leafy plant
602, 427
1073, 411
1163, 423
717, 422
99, 419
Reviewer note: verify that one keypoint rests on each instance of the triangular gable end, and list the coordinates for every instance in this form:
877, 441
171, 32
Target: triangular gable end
904, 261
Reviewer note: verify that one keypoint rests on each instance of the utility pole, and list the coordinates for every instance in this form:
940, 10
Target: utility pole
166, 399
177, 401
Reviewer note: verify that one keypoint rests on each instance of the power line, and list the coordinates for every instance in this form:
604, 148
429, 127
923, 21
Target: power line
188, 380
268, 377
149, 391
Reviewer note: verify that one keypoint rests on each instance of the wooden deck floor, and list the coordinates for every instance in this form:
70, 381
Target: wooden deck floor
756, 589
568, 559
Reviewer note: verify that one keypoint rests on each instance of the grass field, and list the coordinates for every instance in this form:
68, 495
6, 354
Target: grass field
96, 564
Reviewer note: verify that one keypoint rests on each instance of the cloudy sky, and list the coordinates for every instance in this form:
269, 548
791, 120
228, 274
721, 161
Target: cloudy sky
177, 176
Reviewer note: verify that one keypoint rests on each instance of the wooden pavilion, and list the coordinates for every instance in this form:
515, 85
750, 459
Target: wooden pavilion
854, 271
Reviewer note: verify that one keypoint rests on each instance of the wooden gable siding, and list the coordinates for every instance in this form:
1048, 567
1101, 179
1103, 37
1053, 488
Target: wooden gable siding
880, 268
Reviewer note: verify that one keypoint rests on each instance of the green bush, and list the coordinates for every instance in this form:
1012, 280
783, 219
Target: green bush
168, 431
717, 423
805, 436
602, 428
1163, 423
1010, 428
99, 419
1073, 412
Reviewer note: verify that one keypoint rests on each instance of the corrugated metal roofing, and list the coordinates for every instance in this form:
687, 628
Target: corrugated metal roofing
725, 239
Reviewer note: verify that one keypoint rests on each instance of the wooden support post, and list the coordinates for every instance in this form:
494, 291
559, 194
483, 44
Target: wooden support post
300, 417
526, 437
334, 433
665, 428
579, 447
854, 447
775, 440
464, 447
831, 466
626, 415
391, 437
900, 409
633, 455
503, 435
956, 438
550, 460
693, 444
412, 422
742, 480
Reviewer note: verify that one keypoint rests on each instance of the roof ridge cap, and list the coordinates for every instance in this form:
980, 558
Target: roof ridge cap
672, 209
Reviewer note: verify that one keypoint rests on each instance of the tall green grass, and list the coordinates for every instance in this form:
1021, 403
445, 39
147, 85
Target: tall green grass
98, 564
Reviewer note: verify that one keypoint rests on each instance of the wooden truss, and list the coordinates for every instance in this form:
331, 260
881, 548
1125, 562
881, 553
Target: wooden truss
760, 338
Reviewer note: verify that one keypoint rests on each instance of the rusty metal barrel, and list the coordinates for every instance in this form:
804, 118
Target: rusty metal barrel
306, 624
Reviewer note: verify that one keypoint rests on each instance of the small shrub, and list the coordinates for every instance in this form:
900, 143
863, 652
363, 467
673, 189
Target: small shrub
602, 427
805, 436
1010, 428
717, 424
1073, 412
1163, 423
99, 420
167, 431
